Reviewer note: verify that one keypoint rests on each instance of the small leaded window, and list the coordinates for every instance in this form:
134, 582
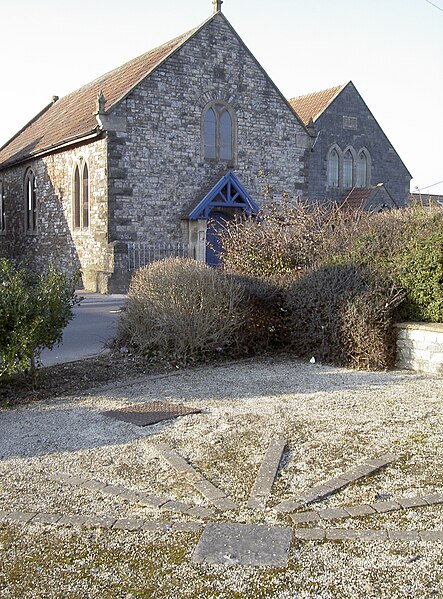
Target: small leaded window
218, 134
362, 170
349, 122
348, 165
332, 168
2, 209
81, 195
30, 202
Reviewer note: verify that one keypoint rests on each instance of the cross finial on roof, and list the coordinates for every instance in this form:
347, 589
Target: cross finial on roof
217, 5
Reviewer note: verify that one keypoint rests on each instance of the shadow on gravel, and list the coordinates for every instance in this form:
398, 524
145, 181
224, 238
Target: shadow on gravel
74, 424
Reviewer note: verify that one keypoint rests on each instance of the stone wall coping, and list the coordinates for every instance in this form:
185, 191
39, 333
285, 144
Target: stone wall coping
434, 327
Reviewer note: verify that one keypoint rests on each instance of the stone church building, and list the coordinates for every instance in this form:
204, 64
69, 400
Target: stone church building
351, 158
150, 158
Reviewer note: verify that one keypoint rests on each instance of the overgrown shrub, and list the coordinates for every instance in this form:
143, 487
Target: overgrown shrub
182, 310
404, 246
343, 315
284, 239
34, 310
264, 327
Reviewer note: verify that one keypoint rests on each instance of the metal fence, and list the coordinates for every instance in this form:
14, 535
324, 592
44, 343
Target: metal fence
142, 253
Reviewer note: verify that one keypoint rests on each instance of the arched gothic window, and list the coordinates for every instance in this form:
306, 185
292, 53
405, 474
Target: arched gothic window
348, 167
81, 195
332, 167
218, 132
31, 213
362, 169
2, 210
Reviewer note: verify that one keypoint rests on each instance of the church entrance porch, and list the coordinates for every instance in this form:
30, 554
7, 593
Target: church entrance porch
227, 200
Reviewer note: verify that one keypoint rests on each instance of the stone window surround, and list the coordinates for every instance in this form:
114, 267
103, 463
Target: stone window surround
2, 210
80, 163
30, 203
228, 108
355, 156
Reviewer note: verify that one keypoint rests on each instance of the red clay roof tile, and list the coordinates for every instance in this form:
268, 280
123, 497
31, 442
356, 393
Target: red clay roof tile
74, 116
311, 106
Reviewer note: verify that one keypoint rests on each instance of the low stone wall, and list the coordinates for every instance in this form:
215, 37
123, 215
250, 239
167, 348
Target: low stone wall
420, 346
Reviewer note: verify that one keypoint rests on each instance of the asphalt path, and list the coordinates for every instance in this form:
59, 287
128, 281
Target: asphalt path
94, 323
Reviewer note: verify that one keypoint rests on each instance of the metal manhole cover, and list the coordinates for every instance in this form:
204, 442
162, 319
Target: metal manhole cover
150, 413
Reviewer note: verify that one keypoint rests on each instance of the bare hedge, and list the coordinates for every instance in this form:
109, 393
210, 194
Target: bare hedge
182, 310
343, 315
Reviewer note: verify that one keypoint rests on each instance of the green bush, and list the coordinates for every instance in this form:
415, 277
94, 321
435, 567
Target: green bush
406, 247
34, 310
182, 310
343, 315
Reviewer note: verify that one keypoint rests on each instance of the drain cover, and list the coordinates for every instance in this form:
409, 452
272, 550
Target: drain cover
150, 413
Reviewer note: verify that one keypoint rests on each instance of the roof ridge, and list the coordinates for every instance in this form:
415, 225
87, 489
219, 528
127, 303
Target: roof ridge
173, 42
77, 108
310, 106
321, 91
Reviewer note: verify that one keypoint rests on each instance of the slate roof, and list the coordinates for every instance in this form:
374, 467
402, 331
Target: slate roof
311, 106
73, 117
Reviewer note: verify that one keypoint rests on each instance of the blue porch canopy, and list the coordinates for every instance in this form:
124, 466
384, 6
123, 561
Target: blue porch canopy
228, 192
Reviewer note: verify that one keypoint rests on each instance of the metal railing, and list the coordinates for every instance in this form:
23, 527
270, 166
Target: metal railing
141, 253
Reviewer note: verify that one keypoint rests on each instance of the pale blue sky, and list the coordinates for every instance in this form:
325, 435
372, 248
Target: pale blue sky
391, 49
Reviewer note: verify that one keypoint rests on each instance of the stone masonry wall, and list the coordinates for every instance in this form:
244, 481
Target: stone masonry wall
420, 347
56, 240
386, 168
157, 172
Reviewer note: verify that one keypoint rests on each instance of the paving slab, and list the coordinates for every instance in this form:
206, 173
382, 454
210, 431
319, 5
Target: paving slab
386, 506
434, 499
209, 491
310, 534
262, 487
151, 500
179, 507
333, 514
359, 510
72, 520
287, 506
305, 517
431, 535
341, 534
128, 524
408, 502
372, 535
244, 544
46, 518
21, 516
403, 535
200, 512
156, 525
100, 522
224, 504
93, 485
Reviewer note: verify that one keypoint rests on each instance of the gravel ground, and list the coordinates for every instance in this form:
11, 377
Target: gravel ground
333, 419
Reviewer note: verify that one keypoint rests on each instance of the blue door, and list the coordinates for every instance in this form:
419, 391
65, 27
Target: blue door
216, 222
